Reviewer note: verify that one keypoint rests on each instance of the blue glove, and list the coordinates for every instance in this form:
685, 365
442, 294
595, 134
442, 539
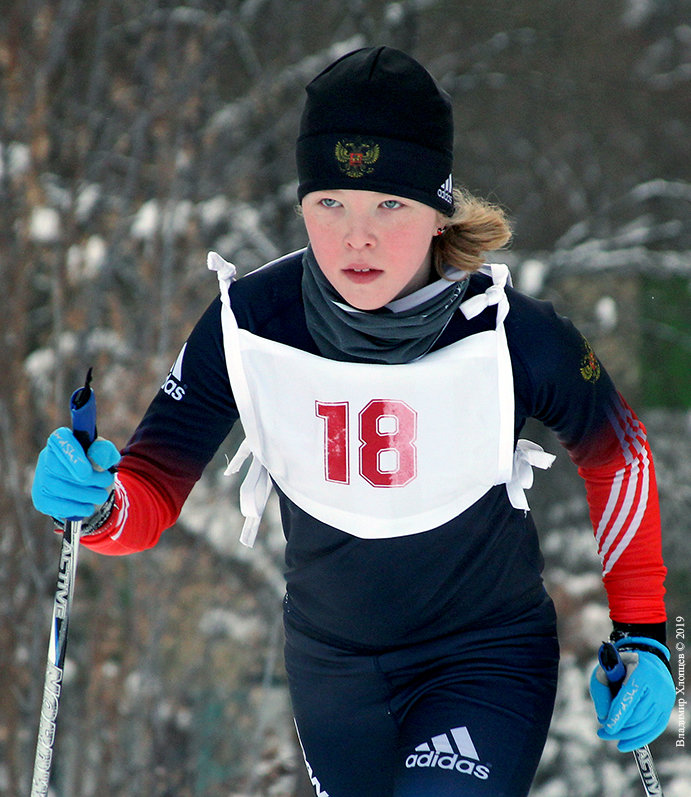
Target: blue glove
639, 711
69, 483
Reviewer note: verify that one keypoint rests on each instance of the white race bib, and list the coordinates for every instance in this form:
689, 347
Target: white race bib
374, 450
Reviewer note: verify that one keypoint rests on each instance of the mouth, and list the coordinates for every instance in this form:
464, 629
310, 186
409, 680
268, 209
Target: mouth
361, 274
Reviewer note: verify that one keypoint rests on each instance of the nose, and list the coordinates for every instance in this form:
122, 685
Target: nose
359, 233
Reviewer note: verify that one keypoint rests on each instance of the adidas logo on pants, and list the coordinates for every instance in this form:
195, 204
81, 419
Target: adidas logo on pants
442, 753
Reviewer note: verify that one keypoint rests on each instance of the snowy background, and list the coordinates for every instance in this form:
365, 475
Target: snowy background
137, 134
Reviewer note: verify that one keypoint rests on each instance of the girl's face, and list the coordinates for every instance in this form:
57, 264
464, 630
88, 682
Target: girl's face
372, 247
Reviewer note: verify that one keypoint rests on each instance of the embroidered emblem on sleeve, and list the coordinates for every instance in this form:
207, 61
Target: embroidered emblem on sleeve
590, 367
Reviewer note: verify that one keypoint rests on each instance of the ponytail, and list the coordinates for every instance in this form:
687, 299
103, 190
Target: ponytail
476, 227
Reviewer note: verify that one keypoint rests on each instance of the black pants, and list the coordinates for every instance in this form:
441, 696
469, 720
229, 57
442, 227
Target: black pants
464, 715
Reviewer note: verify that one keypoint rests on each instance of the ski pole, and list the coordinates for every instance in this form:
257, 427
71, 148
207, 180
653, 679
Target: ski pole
614, 668
83, 411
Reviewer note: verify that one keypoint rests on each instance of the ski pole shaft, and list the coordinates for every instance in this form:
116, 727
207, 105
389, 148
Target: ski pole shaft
83, 412
614, 668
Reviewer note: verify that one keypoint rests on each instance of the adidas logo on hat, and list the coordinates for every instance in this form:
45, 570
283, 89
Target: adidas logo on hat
457, 753
444, 191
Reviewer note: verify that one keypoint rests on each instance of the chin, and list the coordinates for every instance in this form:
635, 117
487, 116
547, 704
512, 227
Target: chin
367, 304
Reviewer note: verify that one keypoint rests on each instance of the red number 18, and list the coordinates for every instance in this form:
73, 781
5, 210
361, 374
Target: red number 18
387, 432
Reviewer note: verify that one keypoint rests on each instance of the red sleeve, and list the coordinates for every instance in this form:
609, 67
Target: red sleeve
140, 515
624, 510
176, 439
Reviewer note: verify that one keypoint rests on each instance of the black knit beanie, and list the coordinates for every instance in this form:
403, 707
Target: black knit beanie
376, 120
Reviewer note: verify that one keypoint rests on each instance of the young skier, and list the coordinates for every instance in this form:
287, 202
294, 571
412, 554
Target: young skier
382, 379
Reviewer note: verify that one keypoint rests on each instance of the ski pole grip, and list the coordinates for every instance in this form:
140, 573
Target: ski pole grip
613, 666
83, 410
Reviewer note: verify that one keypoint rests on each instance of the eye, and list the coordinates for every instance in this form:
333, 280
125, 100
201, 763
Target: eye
328, 202
391, 204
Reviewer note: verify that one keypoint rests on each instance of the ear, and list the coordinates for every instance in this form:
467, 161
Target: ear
441, 222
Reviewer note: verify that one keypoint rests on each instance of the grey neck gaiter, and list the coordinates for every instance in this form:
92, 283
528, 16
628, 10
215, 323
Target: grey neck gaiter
400, 332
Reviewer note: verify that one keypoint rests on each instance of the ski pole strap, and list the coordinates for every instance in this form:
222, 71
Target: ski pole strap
92, 524
632, 643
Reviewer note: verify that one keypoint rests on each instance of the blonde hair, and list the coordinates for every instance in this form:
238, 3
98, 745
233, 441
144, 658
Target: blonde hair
476, 227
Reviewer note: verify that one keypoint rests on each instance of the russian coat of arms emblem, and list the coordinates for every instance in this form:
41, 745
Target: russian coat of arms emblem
356, 158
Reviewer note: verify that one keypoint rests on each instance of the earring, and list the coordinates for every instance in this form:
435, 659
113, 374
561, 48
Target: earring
441, 230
